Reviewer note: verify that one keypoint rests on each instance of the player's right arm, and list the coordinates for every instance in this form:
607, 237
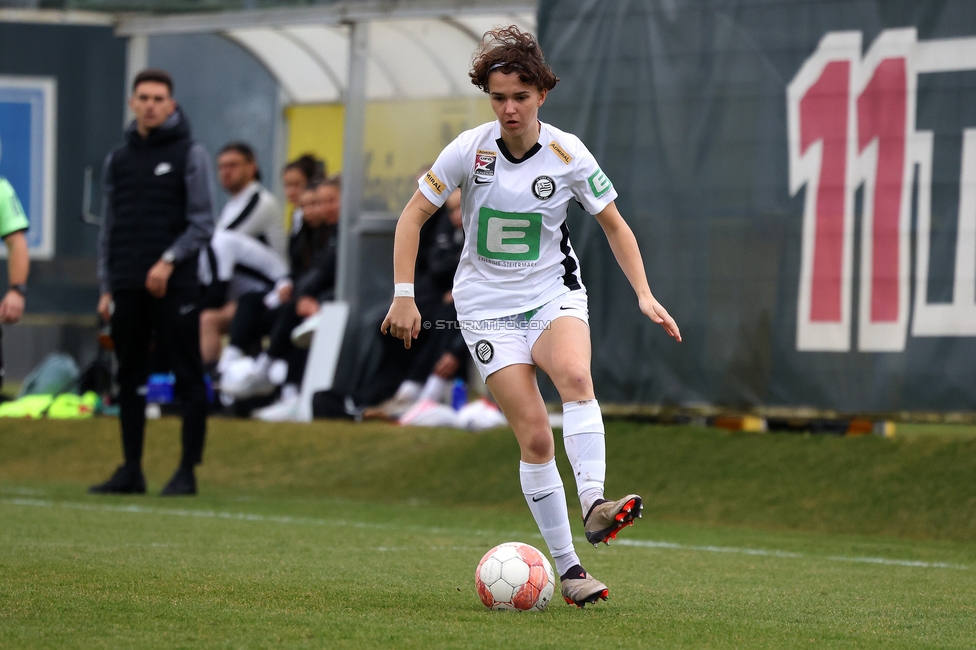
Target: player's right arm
403, 319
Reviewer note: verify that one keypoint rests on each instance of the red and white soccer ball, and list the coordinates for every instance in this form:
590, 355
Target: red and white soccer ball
515, 576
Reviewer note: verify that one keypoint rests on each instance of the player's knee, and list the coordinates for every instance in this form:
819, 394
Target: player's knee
538, 449
535, 438
573, 381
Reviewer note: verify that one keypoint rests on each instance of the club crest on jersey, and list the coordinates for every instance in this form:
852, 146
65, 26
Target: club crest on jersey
543, 187
484, 166
484, 351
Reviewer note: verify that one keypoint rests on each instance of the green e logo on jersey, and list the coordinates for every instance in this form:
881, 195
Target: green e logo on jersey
599, 183
509, 235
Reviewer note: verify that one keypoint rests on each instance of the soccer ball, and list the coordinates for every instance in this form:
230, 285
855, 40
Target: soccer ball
515, 576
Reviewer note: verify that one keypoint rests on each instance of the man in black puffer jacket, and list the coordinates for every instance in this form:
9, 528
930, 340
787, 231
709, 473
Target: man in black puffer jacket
157, 215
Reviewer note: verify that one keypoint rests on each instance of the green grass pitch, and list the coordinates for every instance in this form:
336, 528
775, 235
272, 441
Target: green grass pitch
366, 536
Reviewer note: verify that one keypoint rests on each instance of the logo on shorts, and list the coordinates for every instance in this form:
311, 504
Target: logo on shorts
484, 166
484, 351
543, 187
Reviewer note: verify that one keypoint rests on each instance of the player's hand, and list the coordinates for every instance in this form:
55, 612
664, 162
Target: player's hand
657, 313
284, 293
402, 321
446, 366
158, 278
11, 307
105, 307
306, 306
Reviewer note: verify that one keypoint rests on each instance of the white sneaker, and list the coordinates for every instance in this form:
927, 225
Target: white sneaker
246, 378
428, 413
301, 336
278, 372
480, 415
229, 355
284, 410
234, 374
392, 409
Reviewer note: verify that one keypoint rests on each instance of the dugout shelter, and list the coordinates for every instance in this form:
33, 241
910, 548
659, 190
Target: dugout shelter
395, 70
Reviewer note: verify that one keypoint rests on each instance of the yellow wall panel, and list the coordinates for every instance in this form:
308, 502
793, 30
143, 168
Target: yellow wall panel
401, 137
316, 129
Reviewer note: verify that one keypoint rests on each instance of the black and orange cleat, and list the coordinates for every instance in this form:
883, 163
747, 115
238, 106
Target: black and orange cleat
606, 518
579, 588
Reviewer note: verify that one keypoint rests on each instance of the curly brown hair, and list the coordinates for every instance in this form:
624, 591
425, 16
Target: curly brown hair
508, 49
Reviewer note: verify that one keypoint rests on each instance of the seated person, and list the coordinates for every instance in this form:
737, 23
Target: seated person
295, 177
313, 271
421, 373
231, 255
252, 211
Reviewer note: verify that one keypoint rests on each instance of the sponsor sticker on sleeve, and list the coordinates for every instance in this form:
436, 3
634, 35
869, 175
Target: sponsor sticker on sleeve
434, 183
559, 151
599, 183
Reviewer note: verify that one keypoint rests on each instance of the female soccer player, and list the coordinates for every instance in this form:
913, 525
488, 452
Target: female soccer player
519, 296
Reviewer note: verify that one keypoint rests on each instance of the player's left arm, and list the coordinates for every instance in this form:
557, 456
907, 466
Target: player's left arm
623, 243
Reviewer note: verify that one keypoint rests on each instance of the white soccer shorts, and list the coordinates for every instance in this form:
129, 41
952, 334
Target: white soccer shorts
500, 342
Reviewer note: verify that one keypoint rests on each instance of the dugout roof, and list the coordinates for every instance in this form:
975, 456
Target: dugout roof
415, 49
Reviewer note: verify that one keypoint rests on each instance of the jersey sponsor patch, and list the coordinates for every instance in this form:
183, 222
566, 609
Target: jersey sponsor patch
599, 183
559, 151
434, 183
543, 187
509, 235
484, 351
484, 166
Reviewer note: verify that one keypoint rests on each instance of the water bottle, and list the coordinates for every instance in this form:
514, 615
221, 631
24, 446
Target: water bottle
159, 388
459, 394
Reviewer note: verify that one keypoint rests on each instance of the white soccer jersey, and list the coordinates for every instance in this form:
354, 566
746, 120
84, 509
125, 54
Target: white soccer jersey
517, 255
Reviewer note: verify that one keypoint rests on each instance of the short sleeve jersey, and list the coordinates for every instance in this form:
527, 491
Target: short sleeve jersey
12, 217
517, 255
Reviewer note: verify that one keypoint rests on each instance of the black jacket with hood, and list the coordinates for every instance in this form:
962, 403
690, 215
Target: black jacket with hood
157, 197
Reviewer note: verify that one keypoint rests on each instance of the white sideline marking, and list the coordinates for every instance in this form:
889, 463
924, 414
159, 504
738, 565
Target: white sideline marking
788, 554
244, 516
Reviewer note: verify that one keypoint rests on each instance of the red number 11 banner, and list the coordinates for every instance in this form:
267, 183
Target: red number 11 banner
851, 123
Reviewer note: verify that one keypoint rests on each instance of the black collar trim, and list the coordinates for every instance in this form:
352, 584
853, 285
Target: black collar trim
536, 148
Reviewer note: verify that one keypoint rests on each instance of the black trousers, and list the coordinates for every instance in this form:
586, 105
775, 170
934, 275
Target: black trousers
445, 336
173, 324
253, 320
396, 363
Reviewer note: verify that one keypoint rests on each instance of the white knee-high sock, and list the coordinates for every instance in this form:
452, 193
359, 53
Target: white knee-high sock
583, 437
543, 490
